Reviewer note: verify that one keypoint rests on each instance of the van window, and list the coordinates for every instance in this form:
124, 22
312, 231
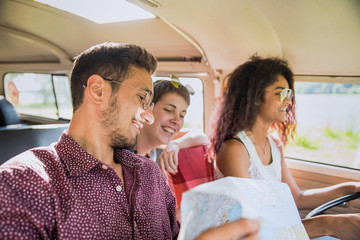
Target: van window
328, 129
194, 118
63, 96
38, 94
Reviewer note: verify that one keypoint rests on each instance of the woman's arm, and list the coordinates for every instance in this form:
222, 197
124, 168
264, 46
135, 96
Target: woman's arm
191, 139
168, 159
233, 159
342, 226
311, 198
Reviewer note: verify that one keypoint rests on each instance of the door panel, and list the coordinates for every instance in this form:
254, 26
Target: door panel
312, 175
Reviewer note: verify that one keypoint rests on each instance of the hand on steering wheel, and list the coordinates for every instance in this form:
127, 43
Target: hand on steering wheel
339, 201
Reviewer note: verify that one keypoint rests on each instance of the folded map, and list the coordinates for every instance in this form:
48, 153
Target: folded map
227, 199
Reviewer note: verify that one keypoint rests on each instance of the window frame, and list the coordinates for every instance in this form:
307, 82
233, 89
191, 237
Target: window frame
29, 118
313, 166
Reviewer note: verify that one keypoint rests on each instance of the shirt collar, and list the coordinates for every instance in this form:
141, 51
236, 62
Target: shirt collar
128, 158
77, 161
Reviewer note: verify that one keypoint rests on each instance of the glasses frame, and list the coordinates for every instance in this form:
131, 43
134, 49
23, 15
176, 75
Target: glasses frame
146, 101
286, 93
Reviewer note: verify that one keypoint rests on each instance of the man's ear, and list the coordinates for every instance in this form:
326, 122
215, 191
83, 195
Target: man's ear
95, 88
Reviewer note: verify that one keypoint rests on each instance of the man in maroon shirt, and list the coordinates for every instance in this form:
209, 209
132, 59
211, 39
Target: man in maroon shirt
87, 185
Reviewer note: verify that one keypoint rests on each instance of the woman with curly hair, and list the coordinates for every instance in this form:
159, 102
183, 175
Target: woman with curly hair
257, 97
254, 119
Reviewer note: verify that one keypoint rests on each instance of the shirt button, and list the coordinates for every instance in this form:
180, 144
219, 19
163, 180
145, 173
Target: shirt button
118, 188
135, 226
104, 167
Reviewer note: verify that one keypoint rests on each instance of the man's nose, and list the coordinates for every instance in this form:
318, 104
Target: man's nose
148, 116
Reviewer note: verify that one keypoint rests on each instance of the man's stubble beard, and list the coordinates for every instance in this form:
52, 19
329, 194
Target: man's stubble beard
110, 119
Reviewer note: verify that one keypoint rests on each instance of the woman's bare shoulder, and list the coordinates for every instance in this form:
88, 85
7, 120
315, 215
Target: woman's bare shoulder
233, 159
232, 148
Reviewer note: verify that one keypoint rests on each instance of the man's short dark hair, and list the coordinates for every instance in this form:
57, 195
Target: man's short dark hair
109, 60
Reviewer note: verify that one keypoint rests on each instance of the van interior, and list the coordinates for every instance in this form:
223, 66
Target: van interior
201, 42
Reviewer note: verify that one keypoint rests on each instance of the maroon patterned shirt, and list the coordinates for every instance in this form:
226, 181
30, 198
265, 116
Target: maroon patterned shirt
62, 192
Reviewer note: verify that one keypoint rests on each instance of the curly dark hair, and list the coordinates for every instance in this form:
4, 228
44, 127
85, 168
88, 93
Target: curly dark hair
162, 87
109, 60
243, 93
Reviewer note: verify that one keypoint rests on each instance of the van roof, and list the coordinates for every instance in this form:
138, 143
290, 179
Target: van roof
317, 37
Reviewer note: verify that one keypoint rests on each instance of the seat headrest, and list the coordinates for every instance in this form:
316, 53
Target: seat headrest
8, 114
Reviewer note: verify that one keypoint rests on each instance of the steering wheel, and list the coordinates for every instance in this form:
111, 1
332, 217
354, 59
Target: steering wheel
339, 201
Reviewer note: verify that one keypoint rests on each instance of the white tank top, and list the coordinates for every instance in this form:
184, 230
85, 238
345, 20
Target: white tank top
257, 169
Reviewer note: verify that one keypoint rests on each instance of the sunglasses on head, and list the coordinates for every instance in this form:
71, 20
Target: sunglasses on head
176, 83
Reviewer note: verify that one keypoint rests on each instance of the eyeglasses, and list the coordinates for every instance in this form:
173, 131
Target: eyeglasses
146, 100
286, 92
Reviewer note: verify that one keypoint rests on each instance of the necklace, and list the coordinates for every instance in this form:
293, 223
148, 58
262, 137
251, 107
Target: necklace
262, 148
